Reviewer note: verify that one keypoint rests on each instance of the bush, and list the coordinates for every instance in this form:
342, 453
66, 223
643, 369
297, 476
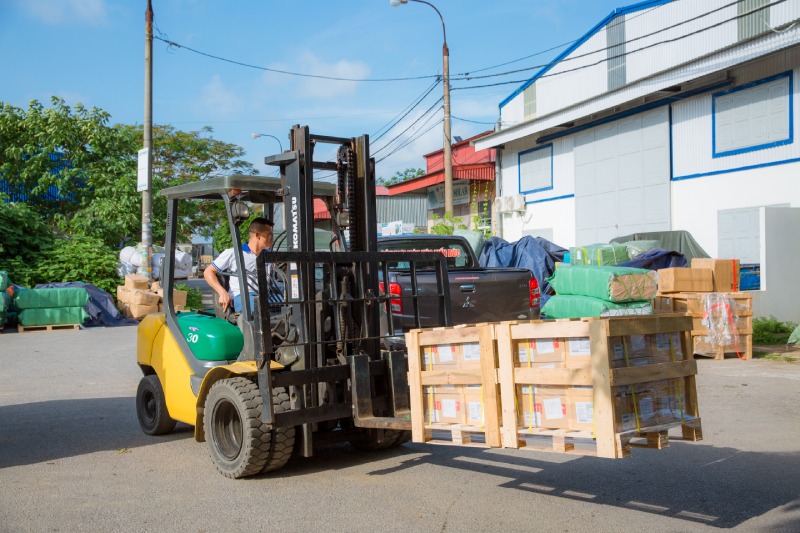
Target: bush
194, 297
771, 331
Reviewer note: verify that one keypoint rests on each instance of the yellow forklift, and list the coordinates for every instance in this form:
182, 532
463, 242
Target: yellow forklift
309, 364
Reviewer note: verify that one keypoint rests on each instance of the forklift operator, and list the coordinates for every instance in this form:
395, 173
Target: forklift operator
260, 238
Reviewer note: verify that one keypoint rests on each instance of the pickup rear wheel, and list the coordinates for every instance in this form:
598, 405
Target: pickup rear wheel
151, 407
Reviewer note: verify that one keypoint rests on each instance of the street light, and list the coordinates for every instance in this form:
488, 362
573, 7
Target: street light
448, 158
257, 135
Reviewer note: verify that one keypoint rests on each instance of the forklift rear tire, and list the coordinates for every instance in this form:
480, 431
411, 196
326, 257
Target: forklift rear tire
240, 444
151, 407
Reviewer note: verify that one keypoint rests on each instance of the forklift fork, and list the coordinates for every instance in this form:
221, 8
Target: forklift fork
361, 388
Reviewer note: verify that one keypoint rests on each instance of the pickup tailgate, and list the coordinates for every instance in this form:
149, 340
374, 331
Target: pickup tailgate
476, 295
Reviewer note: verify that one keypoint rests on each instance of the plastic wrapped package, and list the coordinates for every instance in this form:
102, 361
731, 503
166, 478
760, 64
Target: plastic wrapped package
615, 284
574, 306
51, 298
720, 317
651, 404
599, 254
52, 316
636, 248
4, 280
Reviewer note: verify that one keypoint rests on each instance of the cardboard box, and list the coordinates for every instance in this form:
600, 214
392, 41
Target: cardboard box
136, 311
725, 273
580, 408
542, 406
668, 304
666, 346
444, 404
578, 352
685, 280
626, 348
473, 401
136, 281
177, 308
539, 351
656, 403
122, 293
440, 355
141, 297
178, 297
706, 345
155, 286
468, 354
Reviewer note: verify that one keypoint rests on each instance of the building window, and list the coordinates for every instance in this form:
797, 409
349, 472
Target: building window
755, 23
615, 41
536, 169
753, 117
529, 97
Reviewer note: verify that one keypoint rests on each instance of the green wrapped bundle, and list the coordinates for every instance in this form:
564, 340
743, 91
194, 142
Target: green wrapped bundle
611, 283
573, 306
52, 316
599, 254
5, 301
5, 281
50, 298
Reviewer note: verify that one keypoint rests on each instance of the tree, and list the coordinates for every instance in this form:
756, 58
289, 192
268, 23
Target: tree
400, 177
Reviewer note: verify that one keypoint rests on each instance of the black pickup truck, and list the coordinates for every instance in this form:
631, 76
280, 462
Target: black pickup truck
477, 294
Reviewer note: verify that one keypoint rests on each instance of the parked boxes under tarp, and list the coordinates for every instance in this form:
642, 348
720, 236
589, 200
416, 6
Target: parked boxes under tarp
51, 306
600, 385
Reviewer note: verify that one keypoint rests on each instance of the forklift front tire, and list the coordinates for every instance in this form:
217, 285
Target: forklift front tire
151, 407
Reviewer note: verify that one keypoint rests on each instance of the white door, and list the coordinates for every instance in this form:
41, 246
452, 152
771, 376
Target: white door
622, 177
739, 234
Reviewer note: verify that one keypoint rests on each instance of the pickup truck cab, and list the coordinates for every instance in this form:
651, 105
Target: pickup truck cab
477, 294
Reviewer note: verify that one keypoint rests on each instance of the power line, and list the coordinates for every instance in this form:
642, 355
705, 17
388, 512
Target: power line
403, 114
408, 128
410, 140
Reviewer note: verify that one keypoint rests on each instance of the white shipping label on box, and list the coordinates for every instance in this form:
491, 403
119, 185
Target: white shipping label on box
522, 352
638, 342
449, 408
668, 341
475, 411
580, 346
545, 345
584, 412
472, 351
445, 352
553, 408
646, 408
433, 416
619, 351
426, 357
533, 419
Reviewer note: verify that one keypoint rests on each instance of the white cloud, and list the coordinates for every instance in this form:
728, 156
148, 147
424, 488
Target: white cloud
64, 12
218, 100
321, 88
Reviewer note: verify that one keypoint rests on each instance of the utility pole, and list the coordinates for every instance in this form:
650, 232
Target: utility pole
147, 152
448, 155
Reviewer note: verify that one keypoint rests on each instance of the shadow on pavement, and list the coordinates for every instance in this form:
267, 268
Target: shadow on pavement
45, 431
720, 487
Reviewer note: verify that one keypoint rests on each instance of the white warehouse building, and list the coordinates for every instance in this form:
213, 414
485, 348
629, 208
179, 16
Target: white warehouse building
667, 115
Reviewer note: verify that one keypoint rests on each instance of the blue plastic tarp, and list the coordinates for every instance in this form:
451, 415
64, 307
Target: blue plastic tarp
534, 253
657, 258
101, 308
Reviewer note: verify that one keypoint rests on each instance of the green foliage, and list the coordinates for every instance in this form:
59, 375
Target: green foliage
445, 225
78, 258
194, 296
23, 231
222, 235
769, 330
400, 177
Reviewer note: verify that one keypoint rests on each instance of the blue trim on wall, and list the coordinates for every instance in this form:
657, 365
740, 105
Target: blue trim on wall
739, 169
789, 140
671, 155
551, 199
611, 16
632, 111
519, 169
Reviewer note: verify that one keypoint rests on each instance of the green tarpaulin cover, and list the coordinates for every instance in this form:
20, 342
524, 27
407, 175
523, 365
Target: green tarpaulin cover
678, 241
612, 283
599, 254
4, 281
572, 306
52, 316
50, 298
5, 301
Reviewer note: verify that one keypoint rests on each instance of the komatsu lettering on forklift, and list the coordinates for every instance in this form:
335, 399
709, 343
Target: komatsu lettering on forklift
295, 233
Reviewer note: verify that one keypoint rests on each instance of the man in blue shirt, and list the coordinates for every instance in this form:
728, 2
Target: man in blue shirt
260, 238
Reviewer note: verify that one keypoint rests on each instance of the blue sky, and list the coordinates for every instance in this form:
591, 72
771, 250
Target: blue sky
92, 52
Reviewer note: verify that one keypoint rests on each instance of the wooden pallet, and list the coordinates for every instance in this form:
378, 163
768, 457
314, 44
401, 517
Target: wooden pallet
52, 327
421, 375
743, 349
603, 378
499, 375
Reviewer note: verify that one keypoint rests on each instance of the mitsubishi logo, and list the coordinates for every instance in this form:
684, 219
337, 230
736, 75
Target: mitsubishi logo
467, 303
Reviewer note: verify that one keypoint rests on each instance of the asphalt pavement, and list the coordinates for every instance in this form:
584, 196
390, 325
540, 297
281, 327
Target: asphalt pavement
72, 458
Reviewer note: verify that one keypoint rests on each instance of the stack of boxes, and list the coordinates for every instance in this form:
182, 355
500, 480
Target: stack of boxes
571, 407
453, 404
139, 298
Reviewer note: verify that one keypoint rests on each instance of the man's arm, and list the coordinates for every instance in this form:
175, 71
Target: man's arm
210, 275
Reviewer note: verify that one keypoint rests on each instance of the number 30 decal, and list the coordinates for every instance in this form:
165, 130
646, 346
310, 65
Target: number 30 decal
192, 337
